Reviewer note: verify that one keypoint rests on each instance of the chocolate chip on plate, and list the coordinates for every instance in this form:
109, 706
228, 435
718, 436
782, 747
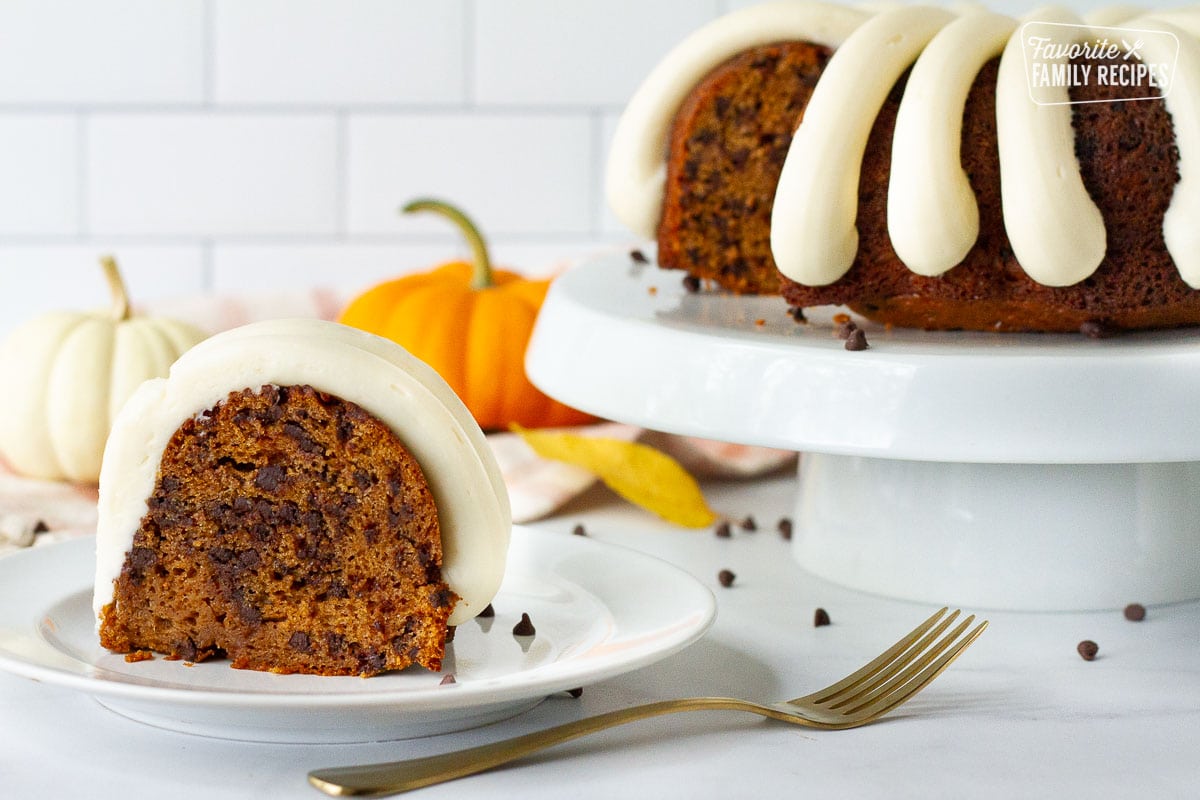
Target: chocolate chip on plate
1088, 649
820, 618
524, 627
725, 578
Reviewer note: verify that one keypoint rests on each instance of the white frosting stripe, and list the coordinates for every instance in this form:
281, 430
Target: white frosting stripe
1056, 231
813, 235
402, 392
636, 167
1181, 225
933, 218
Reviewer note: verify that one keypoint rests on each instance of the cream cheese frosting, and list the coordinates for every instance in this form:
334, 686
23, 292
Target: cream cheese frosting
1180, 229
813, 235
401, 391
1056, 231
636, 168
933, 218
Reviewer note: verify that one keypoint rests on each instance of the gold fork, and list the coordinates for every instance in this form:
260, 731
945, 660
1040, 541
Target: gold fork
864, 696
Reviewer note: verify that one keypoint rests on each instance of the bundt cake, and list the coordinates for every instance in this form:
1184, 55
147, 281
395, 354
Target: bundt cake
902, 163
297, 496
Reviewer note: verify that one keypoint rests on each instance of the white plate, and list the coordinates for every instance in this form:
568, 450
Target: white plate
599, 611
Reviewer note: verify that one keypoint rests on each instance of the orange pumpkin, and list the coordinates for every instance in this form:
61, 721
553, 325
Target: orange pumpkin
470, 322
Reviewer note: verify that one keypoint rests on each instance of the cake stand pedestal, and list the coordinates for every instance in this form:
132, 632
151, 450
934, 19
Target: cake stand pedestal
1007, 471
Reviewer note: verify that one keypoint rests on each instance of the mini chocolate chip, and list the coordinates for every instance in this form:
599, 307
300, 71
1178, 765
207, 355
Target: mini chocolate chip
577, 692
725, 578
748, 524
300, 641
857, 340
1135, 612
488, 611
269, 477
1087, 649
447, 679
40, 526
579, 530
691, 283
639, 257
723, 531
142, 557
820, 618
524, 627
797, 314
785, 528
1097, 329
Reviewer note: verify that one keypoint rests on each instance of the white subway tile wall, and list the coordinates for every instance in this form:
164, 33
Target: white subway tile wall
250, 145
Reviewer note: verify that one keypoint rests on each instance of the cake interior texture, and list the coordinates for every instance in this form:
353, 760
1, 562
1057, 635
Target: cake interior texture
290, 531
727, 148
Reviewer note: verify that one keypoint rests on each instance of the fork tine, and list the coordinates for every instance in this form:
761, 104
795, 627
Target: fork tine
871, 669
919, 652
904, 686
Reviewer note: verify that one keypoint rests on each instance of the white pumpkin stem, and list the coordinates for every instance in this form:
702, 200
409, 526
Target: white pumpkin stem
116, 285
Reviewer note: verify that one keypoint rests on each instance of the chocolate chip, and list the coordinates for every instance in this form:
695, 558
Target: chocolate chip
748, 524
1097, 329
638, 257
723, 531
576, 693
797, 314
857, 340
820, 618
300, 641
785, 528
725, 578
692, 284
447, 679
524, 627
270, 477
579, 530
1088, 649
488, 611
1135, 612
142, 557
450, 631
443, 598
40, 526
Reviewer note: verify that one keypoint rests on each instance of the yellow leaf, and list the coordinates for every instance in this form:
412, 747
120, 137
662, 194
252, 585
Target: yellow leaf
642, 475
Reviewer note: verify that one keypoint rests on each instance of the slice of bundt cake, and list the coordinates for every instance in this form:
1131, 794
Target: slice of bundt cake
298, 497
923, 186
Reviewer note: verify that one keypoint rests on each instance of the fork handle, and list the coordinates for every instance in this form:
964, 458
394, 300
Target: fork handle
402, 776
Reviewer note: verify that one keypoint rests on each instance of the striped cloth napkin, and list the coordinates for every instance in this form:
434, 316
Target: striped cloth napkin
38, 512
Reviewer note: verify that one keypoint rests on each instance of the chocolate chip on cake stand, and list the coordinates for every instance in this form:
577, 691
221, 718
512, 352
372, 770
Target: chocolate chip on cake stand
1087, 650
726, 578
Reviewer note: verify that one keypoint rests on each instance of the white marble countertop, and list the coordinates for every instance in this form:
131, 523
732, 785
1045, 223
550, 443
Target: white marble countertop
1020, 714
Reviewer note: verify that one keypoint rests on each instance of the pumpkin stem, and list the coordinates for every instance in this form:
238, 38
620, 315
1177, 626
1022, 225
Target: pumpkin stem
481, 262
116, 285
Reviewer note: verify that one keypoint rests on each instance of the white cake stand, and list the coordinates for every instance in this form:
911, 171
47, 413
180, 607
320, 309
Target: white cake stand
1022, 472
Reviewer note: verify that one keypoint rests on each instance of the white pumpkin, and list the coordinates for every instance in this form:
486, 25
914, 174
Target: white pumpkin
66, 374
